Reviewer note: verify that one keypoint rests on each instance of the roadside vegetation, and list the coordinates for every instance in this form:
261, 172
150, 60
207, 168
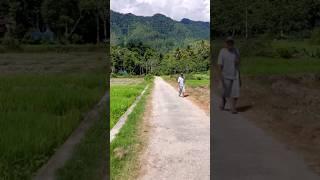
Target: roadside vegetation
192, 80
126, 148
43, 98
89, 160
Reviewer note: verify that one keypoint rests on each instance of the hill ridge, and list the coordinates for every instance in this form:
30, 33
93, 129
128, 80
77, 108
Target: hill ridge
158, 31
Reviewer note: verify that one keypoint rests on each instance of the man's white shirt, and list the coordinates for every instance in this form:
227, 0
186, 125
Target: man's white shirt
181, 81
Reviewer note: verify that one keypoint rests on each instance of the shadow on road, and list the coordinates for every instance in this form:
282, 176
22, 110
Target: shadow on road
244, 108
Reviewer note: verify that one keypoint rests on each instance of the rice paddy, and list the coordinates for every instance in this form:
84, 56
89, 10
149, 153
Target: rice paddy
43, 97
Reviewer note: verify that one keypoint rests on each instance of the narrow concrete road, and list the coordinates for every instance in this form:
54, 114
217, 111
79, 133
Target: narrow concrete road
179, 142
242, 151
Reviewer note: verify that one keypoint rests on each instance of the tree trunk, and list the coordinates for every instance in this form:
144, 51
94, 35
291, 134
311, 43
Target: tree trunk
66, 31
75, 25
38, 22
98, 24
105, 28
246, 22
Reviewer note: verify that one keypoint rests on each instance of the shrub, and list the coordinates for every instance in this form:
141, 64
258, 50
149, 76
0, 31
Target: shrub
76, 39
286, 53
113, 75
11, 43
315, 36
260, 46
317, 53
27, 39
148, 77
123, 73
2, 49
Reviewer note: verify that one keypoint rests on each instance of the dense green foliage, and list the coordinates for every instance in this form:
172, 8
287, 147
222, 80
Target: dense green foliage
139, 59
122, 97
66, 21
37, 114
43, 98
159, 32
282, 18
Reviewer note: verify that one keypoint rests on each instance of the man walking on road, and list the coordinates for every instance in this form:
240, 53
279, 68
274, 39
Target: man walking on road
228, 62
181, 87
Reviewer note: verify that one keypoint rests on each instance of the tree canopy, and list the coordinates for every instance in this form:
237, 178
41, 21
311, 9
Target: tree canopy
248, 18
74, 21
139, 59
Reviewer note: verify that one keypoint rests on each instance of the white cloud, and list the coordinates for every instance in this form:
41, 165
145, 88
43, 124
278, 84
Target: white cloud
176, 9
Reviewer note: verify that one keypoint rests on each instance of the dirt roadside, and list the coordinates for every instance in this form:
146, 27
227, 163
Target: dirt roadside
198, 95
287, 108
144, 133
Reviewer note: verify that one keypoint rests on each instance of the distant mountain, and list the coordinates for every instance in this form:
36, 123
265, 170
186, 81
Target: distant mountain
157, 31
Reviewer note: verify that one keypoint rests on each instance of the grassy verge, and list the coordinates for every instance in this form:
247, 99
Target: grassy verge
264, 66
121, 98
192, 80
89, 158
296, 44
128, 143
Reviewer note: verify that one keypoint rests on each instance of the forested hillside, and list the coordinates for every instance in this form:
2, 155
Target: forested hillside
159, 32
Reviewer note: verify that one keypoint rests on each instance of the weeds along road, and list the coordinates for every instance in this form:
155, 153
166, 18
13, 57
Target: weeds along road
179, 142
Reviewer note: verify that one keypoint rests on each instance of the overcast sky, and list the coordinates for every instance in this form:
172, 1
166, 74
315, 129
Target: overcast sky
198, 10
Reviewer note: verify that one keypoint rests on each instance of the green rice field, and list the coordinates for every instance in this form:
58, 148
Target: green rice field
122, 95
125, 149
43, 98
